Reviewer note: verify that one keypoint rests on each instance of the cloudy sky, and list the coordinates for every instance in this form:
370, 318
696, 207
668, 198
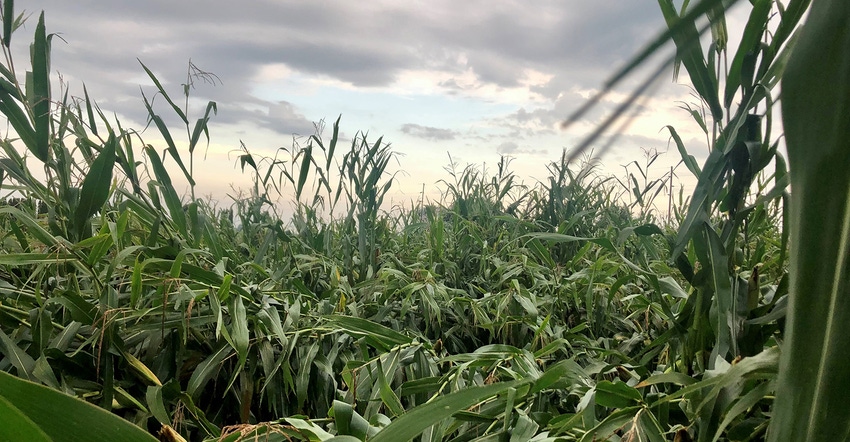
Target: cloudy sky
474, 79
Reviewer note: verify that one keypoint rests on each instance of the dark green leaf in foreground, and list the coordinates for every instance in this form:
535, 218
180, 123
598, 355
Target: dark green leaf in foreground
59, 417
811, 398
14, 425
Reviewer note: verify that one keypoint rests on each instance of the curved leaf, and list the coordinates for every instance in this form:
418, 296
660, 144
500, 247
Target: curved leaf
61, 417
415, 421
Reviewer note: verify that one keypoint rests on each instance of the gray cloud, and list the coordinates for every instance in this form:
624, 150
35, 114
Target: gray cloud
365, 44
510, 148
429, 133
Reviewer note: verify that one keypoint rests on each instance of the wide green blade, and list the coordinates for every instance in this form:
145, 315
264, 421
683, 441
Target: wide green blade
60, 417
363, 327
415, 421
96, 186
811, 402
15, 425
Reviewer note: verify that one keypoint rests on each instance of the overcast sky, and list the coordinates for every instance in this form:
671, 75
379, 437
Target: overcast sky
473, 79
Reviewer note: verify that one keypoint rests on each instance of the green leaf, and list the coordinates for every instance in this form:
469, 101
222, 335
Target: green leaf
164, 94
8, 14
334, 139
207, 369
560, 238
23, 362
41, 91
96, 184
349, 422
239, 330
614, 422
315, 432
764, 364
306, 159
21, 259
59, 417
363, 327
665, 378
553, 374
524, 429
688, 159
153, 397
753, 32
646, 428
136, 284
415, 421
616, 395
201, 126
686, 37
742, 405
727, 331
171, 148
89, 111
388, 396
175, 207
19, 121
15, 425
814, 376
43, 372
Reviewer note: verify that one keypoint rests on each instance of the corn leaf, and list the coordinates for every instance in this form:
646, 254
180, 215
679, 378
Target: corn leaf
8, 13
19, 359
59, 417
814, 374
415, 421
363, 327
239, 330
95, 189
19, 121
41, 91
747, 48
616, 395
164, 94
172, 201
15, 425
207, 369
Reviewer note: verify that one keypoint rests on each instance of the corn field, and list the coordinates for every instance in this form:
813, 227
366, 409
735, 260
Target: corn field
571, 309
